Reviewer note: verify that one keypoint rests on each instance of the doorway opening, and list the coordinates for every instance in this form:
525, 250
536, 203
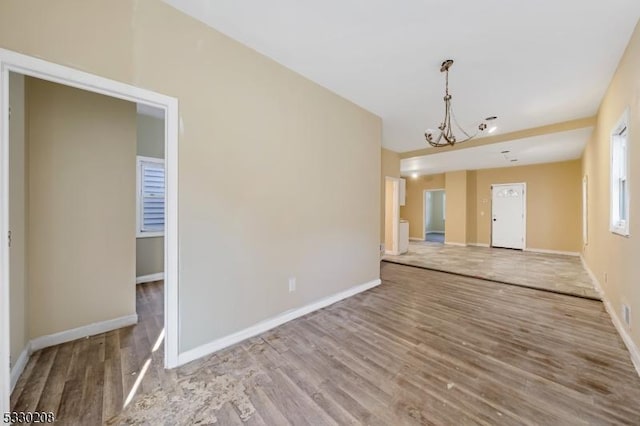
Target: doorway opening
435, 212
509, 215
12, 64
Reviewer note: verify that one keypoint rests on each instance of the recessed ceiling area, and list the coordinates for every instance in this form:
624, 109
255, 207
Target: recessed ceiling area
548, 148
531, 63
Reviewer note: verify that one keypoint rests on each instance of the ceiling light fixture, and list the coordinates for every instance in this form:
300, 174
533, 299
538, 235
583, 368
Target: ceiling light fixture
446, 136
414, 175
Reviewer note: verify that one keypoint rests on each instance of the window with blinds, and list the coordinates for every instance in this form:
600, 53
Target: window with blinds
151, 196
619, 177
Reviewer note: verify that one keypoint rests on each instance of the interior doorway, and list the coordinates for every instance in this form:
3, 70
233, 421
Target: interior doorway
12, 62
508, 215
435, 212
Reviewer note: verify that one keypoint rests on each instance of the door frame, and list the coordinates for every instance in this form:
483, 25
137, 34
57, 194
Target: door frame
524, 211
424, 209
23, 64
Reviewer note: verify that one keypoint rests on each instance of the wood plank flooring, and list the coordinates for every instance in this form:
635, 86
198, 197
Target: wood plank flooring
559, 273
424, 347
85, 381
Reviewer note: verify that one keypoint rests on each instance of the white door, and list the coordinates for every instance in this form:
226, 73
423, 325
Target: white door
508, 216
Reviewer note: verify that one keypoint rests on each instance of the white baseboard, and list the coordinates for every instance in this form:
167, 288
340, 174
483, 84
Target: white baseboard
478, 245
416, 239
151, 277
19, 365
568, 253
634, 352
450, 243
266, 325
392, 253
596, 283
84, 331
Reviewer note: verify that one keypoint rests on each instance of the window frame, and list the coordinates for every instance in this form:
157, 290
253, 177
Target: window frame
140, 233
616, 224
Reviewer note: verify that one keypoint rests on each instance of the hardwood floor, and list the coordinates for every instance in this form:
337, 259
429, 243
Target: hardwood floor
559, 273
424, 347
86, 381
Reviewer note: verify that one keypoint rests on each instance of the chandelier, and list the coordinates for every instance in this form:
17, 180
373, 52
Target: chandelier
446, 136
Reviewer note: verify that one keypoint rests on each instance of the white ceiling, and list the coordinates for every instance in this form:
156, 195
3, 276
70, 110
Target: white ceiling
529, 62
538, 149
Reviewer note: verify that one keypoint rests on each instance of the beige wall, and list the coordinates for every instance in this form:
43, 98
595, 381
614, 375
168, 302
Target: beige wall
554, 209
553, 204
390, 166
608, 253
150, 143
388, 217
150, 132
472, 211
81, 244
17, 217
249, 126
413, 210
149, 256
455, 228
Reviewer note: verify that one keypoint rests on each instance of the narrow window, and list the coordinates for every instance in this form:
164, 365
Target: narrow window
619, 177
150, 197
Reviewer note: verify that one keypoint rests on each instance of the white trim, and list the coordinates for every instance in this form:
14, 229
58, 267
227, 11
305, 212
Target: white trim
451, 243
416, 239
84, 331
596, 283
149, 278
634, 352
266, 325
524, 212
567, 253
478, 245
392, 253
66, 336
20, 364
39, 68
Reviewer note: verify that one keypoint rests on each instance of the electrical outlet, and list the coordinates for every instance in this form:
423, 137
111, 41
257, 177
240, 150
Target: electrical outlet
292, 284
626, 315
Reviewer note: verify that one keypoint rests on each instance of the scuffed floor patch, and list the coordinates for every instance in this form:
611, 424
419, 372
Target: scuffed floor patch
194, 401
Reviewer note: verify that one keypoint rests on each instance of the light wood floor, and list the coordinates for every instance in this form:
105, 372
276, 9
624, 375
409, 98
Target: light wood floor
559, 273
86, 381
424, 347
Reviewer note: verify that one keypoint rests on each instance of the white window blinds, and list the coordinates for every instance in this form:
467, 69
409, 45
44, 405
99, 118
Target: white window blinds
151, 195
